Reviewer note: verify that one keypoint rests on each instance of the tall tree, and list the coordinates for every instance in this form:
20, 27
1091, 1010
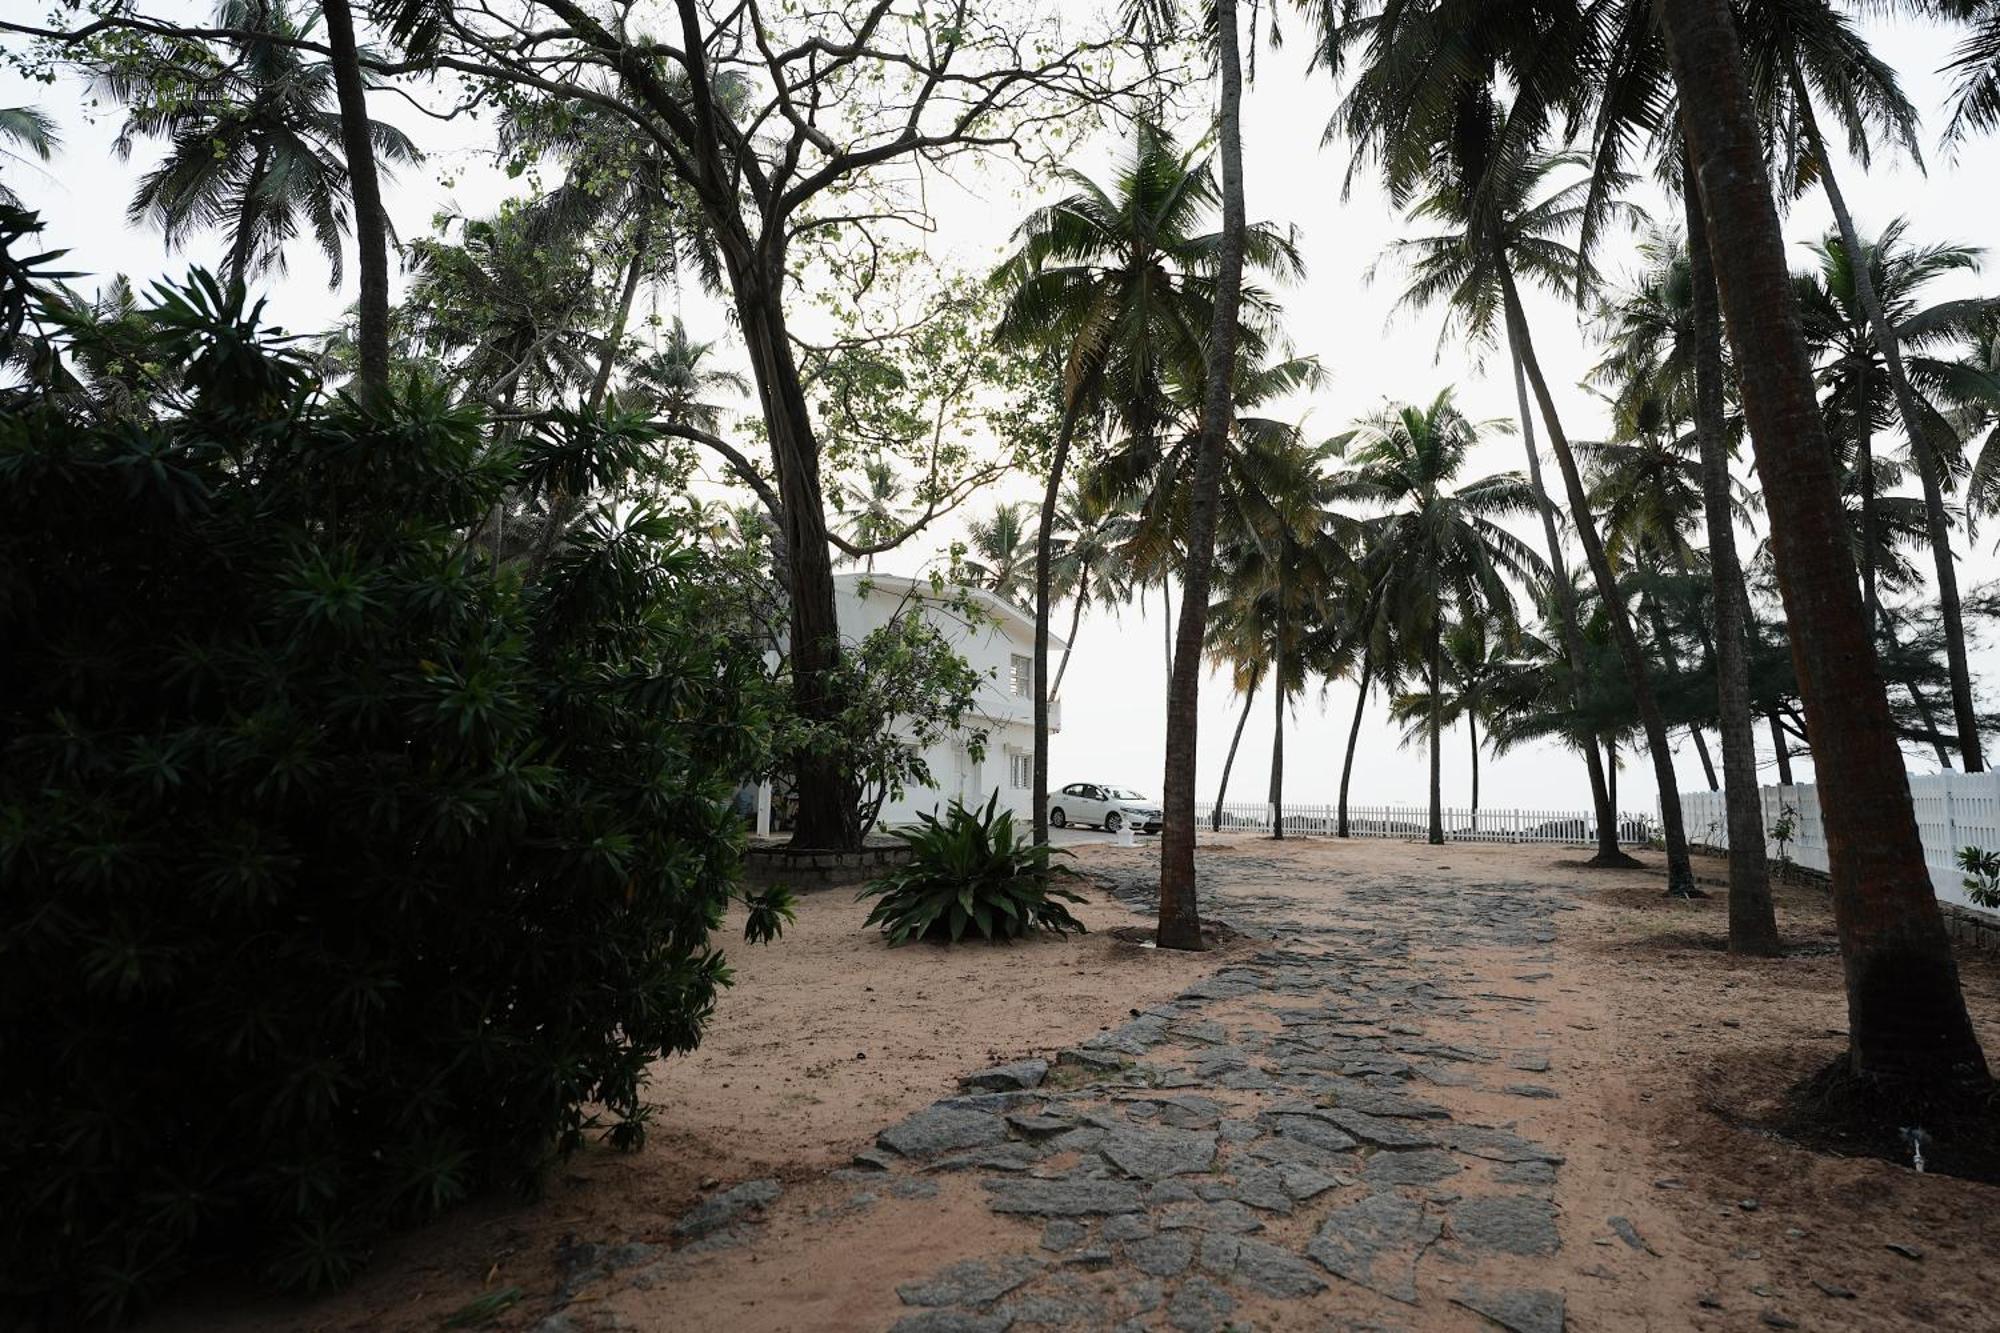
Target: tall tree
1001, 560
1117, 283
1180, 915
1497, 211
1907, 1020
1437, 554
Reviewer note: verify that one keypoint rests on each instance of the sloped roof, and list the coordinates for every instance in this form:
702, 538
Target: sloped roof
1020, 624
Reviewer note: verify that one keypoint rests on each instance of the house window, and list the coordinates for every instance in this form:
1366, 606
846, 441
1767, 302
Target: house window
1021, 770
1024, 676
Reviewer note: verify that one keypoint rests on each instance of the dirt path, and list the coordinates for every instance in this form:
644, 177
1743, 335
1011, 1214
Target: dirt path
1438, 1089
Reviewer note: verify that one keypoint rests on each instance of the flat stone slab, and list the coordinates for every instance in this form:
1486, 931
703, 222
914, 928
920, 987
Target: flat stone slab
973, 1282
1380, 1130
1498, 1145
1260, 1266
1152, 1154
1376, 1244
1199, 1307
942, 1129
1022, 1074
726, 1208
1506, 1223
1166, 1255
1423, 1166
1063, 1198
1314, 1130
1517, 1309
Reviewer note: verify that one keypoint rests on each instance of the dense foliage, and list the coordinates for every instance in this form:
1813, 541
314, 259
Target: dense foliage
970, 870
342, 873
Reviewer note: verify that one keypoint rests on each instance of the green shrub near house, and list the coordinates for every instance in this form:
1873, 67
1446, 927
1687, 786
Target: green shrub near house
970, 871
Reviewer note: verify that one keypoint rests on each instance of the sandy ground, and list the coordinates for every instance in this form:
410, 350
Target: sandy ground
827, 1035
1665, 1052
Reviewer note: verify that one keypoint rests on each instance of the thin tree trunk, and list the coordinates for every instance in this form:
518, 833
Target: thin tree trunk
1167, 628
1472, 724
1784, 751
1075, 625
371, 224
1435, 836
642, 238
1680, 872
1229, 761
1353, 736
1609, 854
1045, 548
1864, 459
1180, 918
563, 505
1753, 922
1935, 519
1611, 778
241, 245
1671, 660
1906, 1015
1277, 792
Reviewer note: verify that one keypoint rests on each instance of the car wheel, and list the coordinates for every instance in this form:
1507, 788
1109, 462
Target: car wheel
1112, 823
1056, 819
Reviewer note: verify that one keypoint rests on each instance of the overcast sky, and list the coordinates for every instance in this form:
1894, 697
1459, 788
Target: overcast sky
1113, 704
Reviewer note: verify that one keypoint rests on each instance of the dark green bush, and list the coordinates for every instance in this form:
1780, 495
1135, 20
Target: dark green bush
341, 875
970, 870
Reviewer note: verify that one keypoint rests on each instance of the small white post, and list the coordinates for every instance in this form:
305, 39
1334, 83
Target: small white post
763, 809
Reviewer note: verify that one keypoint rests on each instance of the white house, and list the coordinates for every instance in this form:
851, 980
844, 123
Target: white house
1000, 646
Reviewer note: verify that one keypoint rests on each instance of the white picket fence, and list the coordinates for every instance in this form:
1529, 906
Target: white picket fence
1564, 827
1954, 810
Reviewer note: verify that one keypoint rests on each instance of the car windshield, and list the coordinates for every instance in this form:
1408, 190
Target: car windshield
1123, 794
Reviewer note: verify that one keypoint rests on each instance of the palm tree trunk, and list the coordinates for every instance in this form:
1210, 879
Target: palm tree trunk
1671, 660
1180, 918
1906, 1015
1229, 761
1075, 624
1921, 453
1472, 724
1864, 460
1611, 777
1353, 736
1609, 854
1435, 835
1783, 750
1277, 792
1045, 548
242, 243
1167, 627
371, 224
629, 292
1753, 922
1680, 871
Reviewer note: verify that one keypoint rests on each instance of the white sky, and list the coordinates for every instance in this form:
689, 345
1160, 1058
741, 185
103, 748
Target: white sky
1114, 695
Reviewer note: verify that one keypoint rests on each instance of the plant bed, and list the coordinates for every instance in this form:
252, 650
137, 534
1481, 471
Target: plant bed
769, 863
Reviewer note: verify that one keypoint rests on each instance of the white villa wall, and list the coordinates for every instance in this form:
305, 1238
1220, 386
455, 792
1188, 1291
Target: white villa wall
867, 602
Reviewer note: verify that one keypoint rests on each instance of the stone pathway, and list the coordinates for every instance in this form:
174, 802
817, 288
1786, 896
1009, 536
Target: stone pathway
1278, 1145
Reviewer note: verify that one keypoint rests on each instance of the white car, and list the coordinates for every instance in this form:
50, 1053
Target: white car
1110, 808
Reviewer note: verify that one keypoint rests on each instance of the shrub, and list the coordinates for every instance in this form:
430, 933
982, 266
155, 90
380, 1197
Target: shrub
341, 874
970, 870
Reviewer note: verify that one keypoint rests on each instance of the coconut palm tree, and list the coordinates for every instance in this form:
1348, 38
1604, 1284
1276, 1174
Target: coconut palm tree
677, 381
1476, 665
1907, 1021
255, 146
872, 504
1001, 560
1090, 568
1117, 284
1437, 553
1461, 267
30, 129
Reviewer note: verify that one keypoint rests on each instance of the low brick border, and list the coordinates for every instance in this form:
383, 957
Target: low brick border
767, 863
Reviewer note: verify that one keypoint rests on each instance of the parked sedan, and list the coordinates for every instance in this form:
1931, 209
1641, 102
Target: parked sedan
1109, 808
